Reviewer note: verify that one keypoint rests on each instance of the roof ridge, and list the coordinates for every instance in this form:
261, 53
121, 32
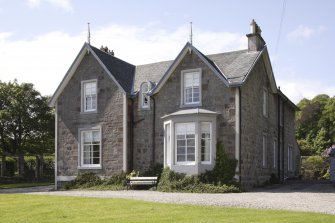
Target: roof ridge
93, 47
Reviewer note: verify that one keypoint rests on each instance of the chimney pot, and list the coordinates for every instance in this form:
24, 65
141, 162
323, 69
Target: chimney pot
255, 40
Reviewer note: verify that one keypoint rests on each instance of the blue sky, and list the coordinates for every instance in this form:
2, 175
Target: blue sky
39, 39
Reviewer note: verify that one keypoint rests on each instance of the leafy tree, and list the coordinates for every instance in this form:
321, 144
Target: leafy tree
24, 121
315, 124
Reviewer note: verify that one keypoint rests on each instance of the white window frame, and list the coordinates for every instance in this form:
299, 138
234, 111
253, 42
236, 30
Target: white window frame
144, 95
264, 150
265, 103
168, 143
81, 148
275, 153
210, 143
83, 96
290, 158
196, 146
183, 94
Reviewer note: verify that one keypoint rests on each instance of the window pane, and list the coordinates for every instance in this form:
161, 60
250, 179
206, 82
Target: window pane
205, 141
181, 158
181, 150
91, 147
190, 157
190, 142
181, 143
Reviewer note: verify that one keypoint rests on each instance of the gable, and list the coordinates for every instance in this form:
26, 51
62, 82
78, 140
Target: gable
188, 48
122, 73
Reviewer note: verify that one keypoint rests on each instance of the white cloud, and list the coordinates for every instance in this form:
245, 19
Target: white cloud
62, 4
304, 32
45, 59
297, 89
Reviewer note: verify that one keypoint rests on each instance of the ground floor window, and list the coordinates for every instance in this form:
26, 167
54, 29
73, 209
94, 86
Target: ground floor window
90, 146
185, 142
205, 142
290, 158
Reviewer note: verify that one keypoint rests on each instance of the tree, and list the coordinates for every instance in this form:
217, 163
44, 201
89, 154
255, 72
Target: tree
315, 124
24, 121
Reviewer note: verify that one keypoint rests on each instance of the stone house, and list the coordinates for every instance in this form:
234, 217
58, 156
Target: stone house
112, 116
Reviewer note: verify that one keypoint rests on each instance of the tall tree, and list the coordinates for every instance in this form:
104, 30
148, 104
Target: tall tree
22, 116
315, 124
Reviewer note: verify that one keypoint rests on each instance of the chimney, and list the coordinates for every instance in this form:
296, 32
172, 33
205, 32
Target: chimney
255, 40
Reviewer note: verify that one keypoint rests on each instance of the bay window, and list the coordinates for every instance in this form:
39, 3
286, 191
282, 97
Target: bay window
189, 140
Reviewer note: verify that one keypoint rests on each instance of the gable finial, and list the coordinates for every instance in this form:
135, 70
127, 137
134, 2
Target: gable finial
191, 34
88, 34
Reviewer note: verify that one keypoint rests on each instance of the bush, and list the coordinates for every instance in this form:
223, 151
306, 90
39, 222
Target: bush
171, 181
29, 167
314, 167
49, 167
86, 180
10, 166
224, 169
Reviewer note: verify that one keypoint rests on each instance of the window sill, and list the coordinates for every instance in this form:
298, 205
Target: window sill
89, 167
206, 163
185, 164
190, 105
88, 112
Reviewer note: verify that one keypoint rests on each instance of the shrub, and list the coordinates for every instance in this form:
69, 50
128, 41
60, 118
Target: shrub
29, 167
224, 169
314, 167
49, 167
116, 179
86, 180
171, 181
10, 166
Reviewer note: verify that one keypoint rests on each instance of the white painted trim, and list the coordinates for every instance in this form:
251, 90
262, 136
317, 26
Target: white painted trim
264, 150
125, 135
56, 143
65, 178
166, 155
82, 100
80, 153
85, 49
69, 75
188, 48
182, 89
141, 106
237, 132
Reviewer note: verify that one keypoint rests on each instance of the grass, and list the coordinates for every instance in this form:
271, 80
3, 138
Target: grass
22, 185
35, 208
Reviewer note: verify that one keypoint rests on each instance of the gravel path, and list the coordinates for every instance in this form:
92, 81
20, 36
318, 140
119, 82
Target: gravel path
295, 197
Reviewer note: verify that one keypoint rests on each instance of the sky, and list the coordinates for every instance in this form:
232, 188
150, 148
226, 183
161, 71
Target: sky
39, 39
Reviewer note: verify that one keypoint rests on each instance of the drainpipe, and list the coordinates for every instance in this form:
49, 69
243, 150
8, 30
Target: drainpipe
283, 144
279, 139
153, 130
240, 114
131, 134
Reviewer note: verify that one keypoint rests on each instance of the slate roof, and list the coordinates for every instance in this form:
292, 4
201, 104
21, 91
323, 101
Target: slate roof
150, 72
122, 71
234, 66
191, 111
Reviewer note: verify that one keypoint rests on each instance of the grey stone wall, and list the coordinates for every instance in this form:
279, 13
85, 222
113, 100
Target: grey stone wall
254, 124
216, 96
290, 140
109, 117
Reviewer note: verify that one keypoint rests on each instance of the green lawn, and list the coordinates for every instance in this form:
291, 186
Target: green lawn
22, 185
35, 208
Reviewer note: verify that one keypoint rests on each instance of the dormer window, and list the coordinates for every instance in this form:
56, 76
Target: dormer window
191, 87
89, 96
144, 97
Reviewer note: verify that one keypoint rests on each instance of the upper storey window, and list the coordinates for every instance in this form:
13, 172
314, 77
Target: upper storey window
265, 102
89, 96
144, 97
191, 87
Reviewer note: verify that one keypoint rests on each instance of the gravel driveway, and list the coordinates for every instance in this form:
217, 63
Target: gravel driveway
303, 196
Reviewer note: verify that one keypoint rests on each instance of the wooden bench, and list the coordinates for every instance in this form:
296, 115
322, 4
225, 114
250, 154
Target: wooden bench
142, 181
